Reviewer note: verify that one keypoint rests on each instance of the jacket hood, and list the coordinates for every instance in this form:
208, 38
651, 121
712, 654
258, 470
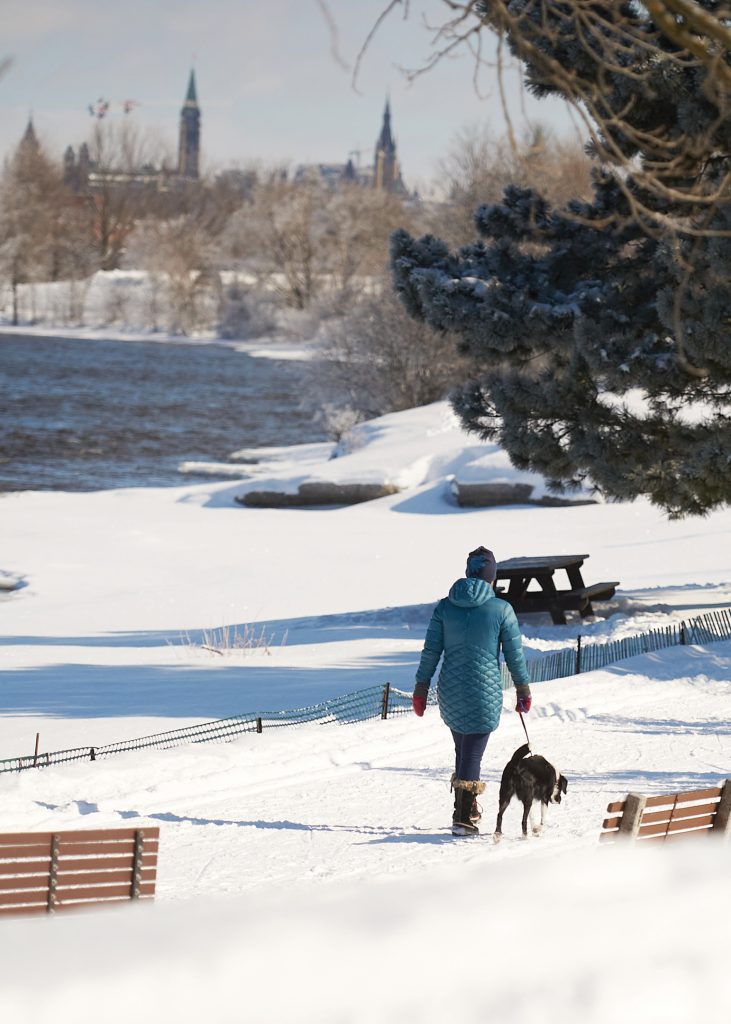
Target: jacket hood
469, 593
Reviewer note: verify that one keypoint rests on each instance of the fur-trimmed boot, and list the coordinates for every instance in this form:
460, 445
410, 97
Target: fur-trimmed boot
465, 792
475, 809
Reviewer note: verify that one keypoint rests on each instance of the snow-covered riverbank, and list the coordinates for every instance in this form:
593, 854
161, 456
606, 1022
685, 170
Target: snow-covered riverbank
296, 833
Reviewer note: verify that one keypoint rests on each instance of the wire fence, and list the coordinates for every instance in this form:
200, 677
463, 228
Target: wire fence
386, 700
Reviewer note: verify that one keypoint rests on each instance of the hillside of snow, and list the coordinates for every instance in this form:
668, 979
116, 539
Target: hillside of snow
307, 873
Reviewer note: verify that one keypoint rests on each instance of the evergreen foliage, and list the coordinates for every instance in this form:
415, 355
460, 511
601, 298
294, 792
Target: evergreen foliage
601, 337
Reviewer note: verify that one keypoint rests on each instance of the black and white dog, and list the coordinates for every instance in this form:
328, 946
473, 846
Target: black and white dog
532, 779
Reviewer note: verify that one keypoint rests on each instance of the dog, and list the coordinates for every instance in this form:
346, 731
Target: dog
532, 779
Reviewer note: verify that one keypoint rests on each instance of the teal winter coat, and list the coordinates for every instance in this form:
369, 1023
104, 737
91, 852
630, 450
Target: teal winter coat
469, 627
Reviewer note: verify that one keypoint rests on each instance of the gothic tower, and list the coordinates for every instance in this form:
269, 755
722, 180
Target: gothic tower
190, 133
386, 174
29, 143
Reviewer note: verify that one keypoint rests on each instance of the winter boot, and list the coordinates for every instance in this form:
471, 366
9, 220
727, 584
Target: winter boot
465, 792
457, 798
475, 811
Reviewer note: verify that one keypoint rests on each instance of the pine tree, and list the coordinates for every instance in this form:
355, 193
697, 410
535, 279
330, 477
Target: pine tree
601, 332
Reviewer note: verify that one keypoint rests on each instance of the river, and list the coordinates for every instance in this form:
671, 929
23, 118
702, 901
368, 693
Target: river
82, 415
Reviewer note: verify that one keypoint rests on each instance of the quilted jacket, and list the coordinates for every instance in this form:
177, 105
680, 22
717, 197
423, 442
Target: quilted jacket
469, 627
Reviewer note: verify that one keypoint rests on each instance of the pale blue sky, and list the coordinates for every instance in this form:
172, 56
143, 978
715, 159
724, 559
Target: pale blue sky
268, 86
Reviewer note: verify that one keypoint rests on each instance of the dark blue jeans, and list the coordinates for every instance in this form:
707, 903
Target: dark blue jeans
468, 749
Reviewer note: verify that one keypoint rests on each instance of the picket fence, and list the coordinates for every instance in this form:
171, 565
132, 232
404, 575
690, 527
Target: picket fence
385, 701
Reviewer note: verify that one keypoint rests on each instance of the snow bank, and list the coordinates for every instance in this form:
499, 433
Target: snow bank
406, 450
598, 936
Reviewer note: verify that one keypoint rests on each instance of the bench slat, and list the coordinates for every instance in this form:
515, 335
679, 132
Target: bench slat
703, 822
100, 892
102, 835
93, 904
107, 849
12, 898
71, 878
24, 846
672, 836
34, 867
682, 798
40, 908
78, 835
24, 882
596, 589
28, 882
19, 854
679, 812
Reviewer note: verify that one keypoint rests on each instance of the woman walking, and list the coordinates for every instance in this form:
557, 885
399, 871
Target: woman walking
470, 626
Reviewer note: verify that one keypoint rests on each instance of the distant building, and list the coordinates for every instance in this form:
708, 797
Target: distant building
83, 174
384, 173
29, 144
189, 147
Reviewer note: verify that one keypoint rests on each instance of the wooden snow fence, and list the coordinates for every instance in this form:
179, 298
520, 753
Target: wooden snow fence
672, 816
43, 872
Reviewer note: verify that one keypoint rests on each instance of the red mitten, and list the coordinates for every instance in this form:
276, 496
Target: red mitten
419, 705
524, 699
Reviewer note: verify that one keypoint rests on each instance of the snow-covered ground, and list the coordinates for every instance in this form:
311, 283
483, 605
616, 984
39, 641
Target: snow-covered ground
117, 305
306, 874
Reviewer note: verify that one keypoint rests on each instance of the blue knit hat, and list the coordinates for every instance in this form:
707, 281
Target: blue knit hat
481, 563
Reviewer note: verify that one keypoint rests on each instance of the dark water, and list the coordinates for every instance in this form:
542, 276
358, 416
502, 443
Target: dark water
87, 415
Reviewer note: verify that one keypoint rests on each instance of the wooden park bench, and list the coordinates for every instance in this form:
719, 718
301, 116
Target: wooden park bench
671, 816
519, 573
42, 872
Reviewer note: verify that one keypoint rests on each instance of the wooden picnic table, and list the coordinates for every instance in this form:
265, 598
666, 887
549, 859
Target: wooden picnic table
521, 572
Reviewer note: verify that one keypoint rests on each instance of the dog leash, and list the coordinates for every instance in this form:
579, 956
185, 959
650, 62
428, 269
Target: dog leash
522, 722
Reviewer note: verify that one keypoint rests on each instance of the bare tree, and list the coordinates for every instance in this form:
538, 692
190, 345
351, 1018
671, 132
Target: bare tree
121, 186
380, 360
358, 225
277, 234
479, 166
181, 259
44, 233
306, 239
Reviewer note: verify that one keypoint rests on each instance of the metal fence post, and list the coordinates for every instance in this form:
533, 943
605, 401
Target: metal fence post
384, 700
578, 654
259, 726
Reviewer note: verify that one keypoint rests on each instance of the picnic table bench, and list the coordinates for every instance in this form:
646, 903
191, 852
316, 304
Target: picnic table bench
42, 872
521, 572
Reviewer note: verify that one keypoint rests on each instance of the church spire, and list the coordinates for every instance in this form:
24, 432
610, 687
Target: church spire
190, 132
385, 139
191, 95
386, 174
29, 142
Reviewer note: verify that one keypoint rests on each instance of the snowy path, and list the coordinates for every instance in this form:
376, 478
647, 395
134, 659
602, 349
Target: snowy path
318, 804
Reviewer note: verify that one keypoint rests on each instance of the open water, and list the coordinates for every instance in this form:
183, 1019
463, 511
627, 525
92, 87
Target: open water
81, 415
